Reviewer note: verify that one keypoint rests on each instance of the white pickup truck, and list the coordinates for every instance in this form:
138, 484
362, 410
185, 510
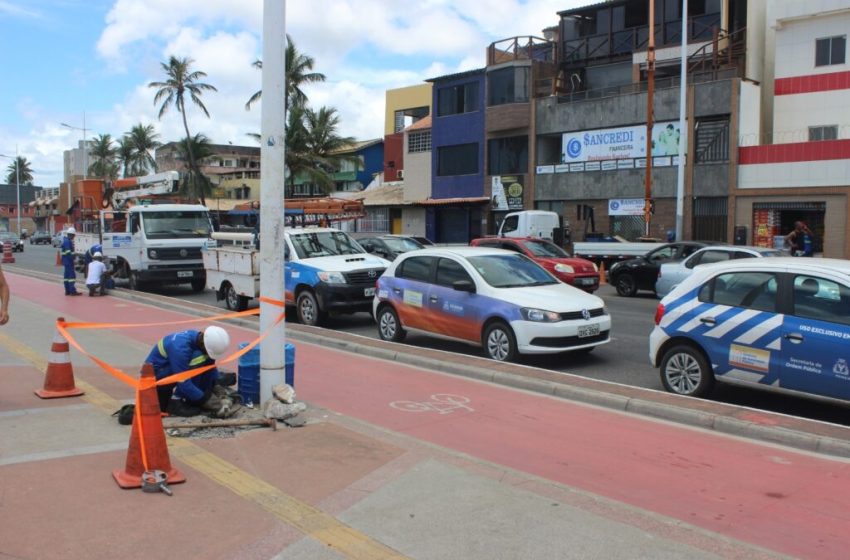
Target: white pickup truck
326, 271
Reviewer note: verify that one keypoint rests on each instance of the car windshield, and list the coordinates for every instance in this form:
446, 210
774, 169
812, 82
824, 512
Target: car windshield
511, 271
181, 223
541, 248
324, 244
402, 244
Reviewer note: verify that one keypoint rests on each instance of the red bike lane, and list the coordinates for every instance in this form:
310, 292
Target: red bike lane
790, 502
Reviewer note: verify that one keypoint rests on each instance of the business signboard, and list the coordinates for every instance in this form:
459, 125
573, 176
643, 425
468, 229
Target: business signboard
626, 207
620, 143
507, 192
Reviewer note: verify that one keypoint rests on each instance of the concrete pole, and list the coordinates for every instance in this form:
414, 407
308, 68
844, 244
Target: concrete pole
683, 129
18, 184
272, 155
650, 103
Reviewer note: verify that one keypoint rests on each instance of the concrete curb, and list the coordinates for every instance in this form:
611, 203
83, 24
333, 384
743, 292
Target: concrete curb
832, 439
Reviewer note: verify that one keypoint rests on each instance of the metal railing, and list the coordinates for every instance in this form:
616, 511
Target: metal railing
522, 48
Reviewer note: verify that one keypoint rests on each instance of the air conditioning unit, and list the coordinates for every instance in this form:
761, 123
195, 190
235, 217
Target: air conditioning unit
400, 174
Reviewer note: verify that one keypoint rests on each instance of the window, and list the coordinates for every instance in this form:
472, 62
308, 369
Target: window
454, 100
830, 50
821, 299
707, 257
508, 155
752, 290
415, 268
508, 85
817, 133
376, 220
457, 160
449, 272
510, 224
419, 142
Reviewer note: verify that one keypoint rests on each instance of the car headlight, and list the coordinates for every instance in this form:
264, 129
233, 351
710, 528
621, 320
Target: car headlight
539, 315
595, 268
564, 268
152, 253
332, 277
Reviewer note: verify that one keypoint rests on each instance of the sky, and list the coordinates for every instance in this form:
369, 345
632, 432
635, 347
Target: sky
76, 61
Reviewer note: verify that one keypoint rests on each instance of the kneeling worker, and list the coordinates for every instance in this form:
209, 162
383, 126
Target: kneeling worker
187, 350
96, 276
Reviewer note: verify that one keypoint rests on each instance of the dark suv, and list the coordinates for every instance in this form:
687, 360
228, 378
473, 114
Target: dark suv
39, 238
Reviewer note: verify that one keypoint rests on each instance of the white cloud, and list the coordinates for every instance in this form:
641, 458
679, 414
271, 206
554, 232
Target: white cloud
15, 10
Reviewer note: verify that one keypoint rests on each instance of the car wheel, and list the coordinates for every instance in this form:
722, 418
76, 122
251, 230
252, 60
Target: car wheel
626, 285
685, 371
389, 327
198, 285
233, 300
308, 309
499, 342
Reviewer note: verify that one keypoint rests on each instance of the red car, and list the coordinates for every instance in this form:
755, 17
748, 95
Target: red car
575, 271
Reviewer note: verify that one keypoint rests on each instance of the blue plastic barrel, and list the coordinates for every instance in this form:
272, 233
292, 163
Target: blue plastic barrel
249, 372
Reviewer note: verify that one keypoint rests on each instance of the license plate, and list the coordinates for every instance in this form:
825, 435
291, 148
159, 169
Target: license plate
587, 281
588, 330
369, 292
184, 274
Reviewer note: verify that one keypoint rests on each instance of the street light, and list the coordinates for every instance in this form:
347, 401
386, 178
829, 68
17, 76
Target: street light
17, 184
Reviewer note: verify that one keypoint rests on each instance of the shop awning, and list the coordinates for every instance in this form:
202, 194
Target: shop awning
453, 201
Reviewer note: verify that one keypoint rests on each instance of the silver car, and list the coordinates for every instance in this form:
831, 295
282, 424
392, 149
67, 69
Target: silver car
673, 273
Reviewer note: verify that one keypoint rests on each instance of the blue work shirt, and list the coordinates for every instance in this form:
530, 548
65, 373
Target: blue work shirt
179, 352
67, 251
89, 256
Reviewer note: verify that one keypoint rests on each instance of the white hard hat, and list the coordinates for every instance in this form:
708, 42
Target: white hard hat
216, 341
71, 231
98, 254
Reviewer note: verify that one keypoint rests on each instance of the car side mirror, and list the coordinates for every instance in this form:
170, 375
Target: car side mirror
464, 286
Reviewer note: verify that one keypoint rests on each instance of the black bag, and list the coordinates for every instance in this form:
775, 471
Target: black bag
125, 414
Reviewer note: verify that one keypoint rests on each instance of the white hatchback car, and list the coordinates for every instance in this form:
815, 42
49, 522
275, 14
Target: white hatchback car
672, 274
780, 324
500, 300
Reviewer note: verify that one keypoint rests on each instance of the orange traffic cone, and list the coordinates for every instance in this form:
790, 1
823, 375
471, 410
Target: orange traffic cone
602, 277
8, 257
59, 379
144, 462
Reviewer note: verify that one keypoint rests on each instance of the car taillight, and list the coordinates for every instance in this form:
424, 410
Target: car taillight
659, 313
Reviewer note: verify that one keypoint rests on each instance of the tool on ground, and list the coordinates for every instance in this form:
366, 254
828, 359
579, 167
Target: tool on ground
270, 422
155, 481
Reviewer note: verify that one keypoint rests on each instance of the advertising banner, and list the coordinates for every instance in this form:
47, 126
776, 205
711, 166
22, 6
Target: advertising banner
626, 207
507, 192
620, 143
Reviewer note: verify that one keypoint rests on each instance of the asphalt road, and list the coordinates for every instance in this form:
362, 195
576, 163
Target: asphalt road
624, 360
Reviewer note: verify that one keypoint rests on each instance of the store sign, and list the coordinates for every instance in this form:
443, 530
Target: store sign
620, 143
507, 192
626, 207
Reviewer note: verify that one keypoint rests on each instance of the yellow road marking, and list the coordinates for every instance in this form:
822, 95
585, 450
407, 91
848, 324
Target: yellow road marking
311, 521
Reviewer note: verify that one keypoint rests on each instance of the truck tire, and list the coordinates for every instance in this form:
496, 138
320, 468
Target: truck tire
232, 300
307, 308
198, 285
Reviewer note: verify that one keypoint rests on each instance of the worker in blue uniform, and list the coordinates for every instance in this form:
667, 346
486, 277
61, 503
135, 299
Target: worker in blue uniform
185, 350
67, 253
88, 256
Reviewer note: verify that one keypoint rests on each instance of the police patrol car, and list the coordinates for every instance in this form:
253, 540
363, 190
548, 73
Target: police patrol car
780, 324
498, 299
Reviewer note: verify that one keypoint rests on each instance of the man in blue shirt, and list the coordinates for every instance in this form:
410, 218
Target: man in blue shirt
67, 253
88, 256
185, 350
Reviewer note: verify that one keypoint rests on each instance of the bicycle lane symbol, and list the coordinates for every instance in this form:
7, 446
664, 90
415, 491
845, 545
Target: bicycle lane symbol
440, 403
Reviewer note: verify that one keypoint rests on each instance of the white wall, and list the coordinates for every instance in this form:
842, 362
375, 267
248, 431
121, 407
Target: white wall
749, 115
794, 114
795, 40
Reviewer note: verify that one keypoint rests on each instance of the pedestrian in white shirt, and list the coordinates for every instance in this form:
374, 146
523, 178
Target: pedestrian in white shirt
96, 279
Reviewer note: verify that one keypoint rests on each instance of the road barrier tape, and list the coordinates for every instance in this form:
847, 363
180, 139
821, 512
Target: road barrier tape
146, 383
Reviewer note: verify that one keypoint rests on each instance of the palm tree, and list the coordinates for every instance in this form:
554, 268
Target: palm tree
180, 79
20, 167
299, 72
103, 154
143, 139
194, 184
312, 145
124, 155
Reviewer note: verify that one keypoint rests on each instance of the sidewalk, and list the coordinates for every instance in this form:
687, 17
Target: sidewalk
397, 461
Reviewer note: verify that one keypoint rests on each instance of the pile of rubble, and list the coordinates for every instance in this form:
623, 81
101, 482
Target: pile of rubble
281, 407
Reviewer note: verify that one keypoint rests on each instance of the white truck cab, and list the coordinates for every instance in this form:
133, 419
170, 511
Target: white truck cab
530, 223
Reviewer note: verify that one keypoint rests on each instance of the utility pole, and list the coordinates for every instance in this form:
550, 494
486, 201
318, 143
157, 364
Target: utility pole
683, 129
273, 158
650, 95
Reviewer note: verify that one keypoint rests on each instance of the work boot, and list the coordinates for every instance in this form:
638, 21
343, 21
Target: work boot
226, 379
178, 407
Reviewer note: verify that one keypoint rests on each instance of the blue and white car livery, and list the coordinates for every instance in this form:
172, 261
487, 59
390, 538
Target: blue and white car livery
327, 271
781, 324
